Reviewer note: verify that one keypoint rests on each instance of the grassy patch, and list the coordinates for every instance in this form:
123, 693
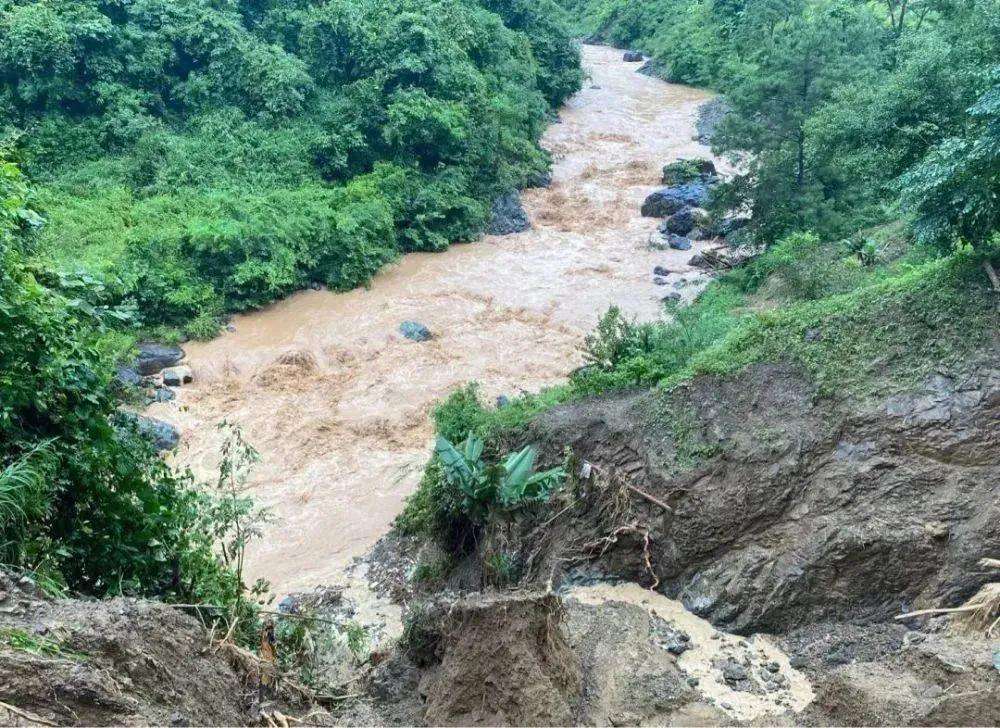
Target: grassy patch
17, 639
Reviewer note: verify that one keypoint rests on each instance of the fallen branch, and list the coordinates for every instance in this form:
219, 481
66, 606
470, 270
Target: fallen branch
25, 714
941, 610
992, 275
650, 498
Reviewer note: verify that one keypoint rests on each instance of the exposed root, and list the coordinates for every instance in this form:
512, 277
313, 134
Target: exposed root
603, 544
980, 614
984, 616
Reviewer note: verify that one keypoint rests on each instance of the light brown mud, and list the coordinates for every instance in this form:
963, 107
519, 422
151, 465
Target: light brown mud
339, 403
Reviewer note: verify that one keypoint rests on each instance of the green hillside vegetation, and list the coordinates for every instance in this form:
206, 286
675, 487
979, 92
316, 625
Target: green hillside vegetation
834, 101
195, 157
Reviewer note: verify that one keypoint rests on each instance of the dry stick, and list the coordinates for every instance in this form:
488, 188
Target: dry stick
25, 714
942, 610
650, 498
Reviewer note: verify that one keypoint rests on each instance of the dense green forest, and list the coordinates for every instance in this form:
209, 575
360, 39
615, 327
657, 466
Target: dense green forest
847, 113
194, 157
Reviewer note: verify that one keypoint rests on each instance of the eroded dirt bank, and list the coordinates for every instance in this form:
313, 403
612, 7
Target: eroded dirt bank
338, 402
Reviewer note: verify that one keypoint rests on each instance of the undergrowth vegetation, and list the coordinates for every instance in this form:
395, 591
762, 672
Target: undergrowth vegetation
198, 157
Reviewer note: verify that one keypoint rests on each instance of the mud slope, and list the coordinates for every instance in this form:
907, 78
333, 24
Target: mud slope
788, 509
116, 662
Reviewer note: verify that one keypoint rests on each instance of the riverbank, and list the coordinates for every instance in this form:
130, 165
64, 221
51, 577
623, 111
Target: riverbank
338, 402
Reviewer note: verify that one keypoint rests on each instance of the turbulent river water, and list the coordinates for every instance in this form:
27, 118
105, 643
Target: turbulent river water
338, 403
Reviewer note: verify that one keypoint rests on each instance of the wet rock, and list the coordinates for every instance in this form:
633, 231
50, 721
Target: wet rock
128, 377
673, 296
153, 358
668, 241
163, 435
177, 376
680, 223
710, 115
540, 180
733, 672
661, 271
164, 394
632, 57
660, 281
316, 286
507, 216
662, 203
415, 331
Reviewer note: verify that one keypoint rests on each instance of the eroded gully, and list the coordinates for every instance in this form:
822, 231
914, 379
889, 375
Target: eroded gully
338, 403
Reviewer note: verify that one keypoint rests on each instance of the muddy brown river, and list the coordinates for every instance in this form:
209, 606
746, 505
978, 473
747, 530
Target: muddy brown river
338, 403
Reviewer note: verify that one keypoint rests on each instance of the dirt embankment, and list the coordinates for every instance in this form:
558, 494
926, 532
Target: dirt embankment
753, 506
733, 553
115, 662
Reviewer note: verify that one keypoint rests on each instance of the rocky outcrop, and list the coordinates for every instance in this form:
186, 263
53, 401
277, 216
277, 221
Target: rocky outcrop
788, 510
507, 216
710, 115
154, 357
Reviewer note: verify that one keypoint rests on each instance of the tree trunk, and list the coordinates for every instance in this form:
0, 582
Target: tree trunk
992, 274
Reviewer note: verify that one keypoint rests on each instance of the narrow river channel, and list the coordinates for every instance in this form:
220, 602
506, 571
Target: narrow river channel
338, 403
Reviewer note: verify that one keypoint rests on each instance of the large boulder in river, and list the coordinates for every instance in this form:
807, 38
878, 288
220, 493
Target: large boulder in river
662, 203
154, 357
177, 376
415, 331
163, 435
667, 201
507, 216
632, 57
680, 223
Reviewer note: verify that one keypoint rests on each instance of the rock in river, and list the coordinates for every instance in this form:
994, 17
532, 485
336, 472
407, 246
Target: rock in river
632, 57
154, 357
176, 376
669, 200
680, 223
415, 331
163, 435
507, 216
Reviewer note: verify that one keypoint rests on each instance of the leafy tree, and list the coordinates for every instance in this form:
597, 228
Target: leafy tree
955, 191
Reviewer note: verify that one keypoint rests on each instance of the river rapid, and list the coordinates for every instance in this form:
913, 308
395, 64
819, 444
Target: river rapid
338, 403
